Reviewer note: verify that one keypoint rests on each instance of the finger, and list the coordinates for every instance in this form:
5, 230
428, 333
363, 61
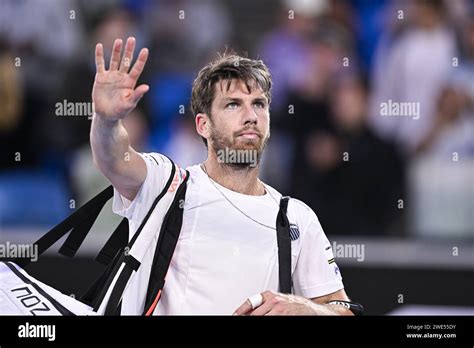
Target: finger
243, 309
139, 64
99, 58
139, 92
128, 55
264, 308
246, 307
115, 58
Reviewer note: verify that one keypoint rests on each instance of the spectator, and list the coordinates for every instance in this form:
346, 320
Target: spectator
413, 70
45, 35
440, 176
11, 99
348, 171
289, 42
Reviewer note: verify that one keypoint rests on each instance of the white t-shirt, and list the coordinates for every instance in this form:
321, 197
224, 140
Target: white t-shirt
222, 256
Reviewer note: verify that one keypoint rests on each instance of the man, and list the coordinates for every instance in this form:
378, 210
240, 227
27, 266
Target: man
225, 261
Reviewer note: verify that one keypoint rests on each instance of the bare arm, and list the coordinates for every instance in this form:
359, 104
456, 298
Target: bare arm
274, 303
115, 96
115, 158
326, 309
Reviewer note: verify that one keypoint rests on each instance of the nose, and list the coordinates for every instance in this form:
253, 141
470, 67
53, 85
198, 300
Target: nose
250, 116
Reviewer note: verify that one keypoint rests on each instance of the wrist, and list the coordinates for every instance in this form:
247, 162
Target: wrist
354, 307
322, 309
105, 121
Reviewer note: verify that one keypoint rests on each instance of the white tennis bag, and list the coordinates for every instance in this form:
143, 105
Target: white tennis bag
135, 272
21, 294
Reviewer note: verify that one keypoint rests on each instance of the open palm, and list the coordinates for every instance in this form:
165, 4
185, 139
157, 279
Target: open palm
114, 93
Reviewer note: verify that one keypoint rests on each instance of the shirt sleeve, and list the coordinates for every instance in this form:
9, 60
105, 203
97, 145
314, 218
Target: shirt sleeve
158, 172
316, 273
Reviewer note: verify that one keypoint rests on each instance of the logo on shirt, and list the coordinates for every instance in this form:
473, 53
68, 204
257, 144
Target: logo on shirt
294, 232
175, 183
329, 255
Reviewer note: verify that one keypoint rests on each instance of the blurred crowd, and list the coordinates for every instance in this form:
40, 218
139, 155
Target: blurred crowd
335, 65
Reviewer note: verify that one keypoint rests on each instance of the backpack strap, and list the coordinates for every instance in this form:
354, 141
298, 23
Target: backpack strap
80, 222
130, 263
284, 247
169, 235
117, 241
115, 249
91, 296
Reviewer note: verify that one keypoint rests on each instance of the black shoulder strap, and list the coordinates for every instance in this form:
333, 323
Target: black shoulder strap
117, 241
169, 235
284, 247
113, 252
119, 238
113, 305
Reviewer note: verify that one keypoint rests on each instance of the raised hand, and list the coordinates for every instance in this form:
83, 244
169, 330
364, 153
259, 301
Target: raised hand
114, 93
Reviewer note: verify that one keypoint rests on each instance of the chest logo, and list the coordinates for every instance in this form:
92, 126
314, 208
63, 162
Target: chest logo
294, 232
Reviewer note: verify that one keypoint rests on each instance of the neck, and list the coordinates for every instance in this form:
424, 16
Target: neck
239, 179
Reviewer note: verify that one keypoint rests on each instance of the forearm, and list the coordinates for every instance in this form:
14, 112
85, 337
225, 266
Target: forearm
110, 144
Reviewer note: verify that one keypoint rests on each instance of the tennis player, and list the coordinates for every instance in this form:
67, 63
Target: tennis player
226, 259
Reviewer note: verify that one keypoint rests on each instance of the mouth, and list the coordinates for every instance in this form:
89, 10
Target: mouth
249, 135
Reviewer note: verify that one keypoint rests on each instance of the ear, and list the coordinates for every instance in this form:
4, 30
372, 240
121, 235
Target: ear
202, 125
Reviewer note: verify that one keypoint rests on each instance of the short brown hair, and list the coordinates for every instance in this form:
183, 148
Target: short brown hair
227, 67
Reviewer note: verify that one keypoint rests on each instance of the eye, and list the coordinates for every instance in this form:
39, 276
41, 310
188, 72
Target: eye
260, 105
232, 105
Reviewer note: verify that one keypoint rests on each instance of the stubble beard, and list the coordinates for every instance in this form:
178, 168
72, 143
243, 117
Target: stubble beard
252, 148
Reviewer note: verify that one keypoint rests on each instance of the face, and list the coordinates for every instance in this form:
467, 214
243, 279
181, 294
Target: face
239, 120
348, 105
425, 16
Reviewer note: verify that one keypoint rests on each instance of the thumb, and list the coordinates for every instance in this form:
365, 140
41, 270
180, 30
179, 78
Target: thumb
139, 92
